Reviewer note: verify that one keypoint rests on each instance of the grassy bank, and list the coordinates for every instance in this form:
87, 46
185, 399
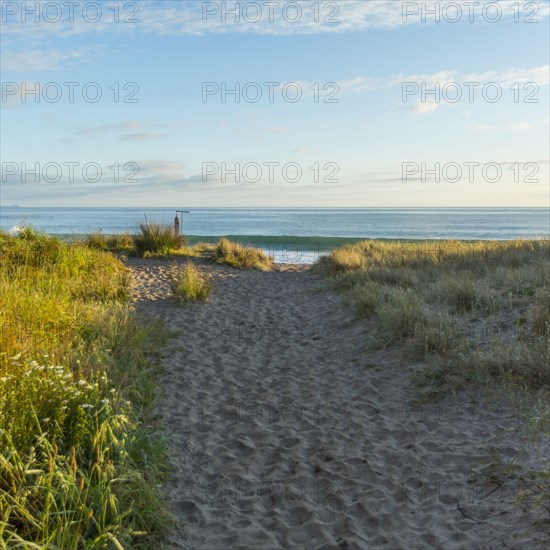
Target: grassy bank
460, 312
80, 457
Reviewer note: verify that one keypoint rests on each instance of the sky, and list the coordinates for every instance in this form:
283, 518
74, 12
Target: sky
323, 104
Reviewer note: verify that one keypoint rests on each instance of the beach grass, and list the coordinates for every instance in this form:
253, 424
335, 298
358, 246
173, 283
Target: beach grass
156, 238
116, 242
189, 283
81, 456
239, 256
462, 312
157, 241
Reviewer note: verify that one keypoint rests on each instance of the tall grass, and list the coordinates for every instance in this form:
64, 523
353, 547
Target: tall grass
237, 255
156, 238
472, 311
80, 460
121, 241
189, 283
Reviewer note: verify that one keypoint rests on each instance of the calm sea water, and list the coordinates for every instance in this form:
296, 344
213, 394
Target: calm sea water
299, 232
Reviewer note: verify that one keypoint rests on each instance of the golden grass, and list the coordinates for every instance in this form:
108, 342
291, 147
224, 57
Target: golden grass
471, 311
189, 283
237, 255
117, 242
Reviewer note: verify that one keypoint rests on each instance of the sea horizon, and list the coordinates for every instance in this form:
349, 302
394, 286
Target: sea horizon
293, 235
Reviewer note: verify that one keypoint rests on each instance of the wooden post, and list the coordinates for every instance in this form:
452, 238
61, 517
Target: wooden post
177, 226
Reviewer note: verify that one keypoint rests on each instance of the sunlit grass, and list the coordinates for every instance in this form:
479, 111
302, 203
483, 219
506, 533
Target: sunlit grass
470, 311
115, 242
237, 255
156, 238
80, 461
189, 283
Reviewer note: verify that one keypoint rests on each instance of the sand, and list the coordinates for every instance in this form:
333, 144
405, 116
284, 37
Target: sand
287, 433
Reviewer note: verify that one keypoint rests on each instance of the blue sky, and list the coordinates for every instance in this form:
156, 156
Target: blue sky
361, 139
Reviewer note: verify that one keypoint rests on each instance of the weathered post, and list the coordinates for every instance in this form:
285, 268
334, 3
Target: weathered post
177, 226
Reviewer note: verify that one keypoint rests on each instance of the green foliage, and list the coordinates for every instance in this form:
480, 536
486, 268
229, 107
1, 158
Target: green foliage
77, 396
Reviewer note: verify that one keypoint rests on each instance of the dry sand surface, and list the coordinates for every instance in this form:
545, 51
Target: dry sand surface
287, 433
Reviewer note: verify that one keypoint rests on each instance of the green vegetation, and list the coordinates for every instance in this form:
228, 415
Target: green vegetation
81, 458
469, 312
236, 255
156, 238
117, 242
189, 283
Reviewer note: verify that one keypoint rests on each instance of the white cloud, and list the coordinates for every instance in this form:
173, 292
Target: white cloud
197, 17
44, 59
425, 108
511, 126
27, 45
521, 126
412, 84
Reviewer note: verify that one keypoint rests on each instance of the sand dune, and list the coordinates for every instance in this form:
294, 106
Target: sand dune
288, 434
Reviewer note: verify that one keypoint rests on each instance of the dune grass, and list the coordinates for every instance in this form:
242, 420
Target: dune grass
117, 242
467, 311
237, 255
156, 238
81, 458
189, 283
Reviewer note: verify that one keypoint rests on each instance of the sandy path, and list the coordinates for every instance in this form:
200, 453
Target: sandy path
287, 434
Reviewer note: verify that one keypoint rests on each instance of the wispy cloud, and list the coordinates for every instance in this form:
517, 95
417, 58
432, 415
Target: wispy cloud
104, 128
49, 59
425, 108
511, 126
147, 129
412, 83
286, 17
142, 136
28, 44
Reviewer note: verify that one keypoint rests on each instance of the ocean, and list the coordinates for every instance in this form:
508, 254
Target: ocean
296, 235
